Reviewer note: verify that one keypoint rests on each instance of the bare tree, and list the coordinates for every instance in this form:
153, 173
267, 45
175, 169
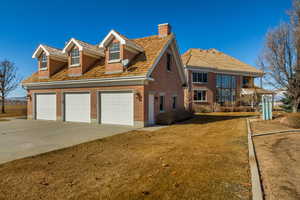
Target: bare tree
8, 80
280, 59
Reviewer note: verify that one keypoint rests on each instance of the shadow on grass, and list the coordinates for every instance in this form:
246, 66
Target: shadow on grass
211, 118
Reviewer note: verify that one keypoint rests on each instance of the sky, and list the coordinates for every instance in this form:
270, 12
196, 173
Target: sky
235, 27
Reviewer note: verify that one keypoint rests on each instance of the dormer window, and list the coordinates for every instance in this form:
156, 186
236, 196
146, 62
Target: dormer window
75, 57
43, 61
114, 51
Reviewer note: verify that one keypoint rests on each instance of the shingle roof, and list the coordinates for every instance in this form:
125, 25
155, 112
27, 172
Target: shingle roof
50, 50
217, 60
139, 66
53, 51
88, 46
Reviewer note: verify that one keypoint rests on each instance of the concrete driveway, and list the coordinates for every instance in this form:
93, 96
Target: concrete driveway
21, 138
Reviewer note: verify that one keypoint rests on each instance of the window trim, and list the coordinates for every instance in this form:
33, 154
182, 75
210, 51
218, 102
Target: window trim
41, 61
163, 104
201, 91
71, 57
201, 73
114, 51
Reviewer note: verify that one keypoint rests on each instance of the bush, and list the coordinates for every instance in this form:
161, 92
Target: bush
171, 117
236, 109
202, 108
292, 120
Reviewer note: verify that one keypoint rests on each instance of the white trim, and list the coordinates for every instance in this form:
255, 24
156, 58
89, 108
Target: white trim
38, 51
112, 34
229, 72
114, 61
68, 46
75, 65
87, 81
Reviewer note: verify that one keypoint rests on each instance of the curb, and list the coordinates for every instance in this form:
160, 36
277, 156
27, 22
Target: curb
257, 193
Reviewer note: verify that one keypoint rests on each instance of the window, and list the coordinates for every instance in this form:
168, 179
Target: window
200, 95
114, 51
199, 77
245, 81
75, 56
161, 103
43, 61
174, 102
226, 88
169, 58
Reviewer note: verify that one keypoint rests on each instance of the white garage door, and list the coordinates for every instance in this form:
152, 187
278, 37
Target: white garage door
46, 106
117, 108
77, 107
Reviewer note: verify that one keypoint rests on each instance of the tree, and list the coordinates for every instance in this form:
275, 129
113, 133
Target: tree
8, 80
280, 59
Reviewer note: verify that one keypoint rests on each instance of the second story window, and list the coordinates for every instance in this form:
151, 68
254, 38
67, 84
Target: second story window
114, 51
75, 56
44, 61
169, 58
199, 77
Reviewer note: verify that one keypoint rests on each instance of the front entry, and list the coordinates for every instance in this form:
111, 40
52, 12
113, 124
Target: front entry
151, 120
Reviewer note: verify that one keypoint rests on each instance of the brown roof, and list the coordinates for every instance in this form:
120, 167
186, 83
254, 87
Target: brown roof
88, 46
139, 66
54, 51
217, 60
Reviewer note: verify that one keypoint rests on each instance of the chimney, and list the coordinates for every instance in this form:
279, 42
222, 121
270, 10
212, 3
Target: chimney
164, 30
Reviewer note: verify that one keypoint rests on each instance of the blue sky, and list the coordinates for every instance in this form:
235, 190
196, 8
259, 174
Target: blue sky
236, 27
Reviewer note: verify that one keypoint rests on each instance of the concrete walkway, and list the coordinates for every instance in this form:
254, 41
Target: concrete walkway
21, 138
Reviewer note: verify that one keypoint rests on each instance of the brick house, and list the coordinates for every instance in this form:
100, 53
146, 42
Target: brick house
119, 81
215, 78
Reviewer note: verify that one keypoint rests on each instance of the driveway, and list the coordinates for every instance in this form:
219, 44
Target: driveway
21, 138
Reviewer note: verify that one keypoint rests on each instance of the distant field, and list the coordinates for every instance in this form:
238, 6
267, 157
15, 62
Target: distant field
14, 110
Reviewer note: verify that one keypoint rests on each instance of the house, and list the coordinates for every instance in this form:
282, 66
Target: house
118, 81
215, 79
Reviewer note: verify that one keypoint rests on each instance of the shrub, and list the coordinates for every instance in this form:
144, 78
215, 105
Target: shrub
202, 108
171, 117
292, 120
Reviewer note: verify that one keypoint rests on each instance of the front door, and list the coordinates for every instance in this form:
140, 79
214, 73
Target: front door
151, 120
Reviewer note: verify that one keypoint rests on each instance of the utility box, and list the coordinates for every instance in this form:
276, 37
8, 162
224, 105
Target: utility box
267, 107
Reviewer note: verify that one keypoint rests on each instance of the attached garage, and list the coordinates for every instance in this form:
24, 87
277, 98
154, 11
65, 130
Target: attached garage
117, 108
77, 107
45, 106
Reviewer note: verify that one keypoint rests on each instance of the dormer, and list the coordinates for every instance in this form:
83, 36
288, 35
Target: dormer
50, 60
81, 56
119, 51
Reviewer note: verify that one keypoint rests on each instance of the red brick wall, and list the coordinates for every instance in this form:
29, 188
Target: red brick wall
210, 87
53, 66
167, 82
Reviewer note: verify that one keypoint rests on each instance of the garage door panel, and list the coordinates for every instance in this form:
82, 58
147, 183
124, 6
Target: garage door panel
46, 106
77, 107
117, 108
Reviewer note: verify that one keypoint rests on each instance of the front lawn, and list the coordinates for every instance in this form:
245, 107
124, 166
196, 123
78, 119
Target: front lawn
204, 158
14, 111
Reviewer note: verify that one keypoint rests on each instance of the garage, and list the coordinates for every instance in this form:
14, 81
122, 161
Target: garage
77, 107
117, 108
45, 106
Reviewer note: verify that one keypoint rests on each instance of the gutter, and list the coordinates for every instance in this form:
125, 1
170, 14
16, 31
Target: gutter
87, 81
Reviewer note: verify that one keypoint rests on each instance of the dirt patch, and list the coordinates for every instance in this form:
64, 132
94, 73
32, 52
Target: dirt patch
279, 163
204, 158
261, 126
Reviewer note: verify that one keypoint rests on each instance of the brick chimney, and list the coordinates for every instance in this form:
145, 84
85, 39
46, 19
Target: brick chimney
164, 29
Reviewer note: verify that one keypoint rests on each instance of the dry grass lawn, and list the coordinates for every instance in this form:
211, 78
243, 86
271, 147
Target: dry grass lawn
14, 111
203, 158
